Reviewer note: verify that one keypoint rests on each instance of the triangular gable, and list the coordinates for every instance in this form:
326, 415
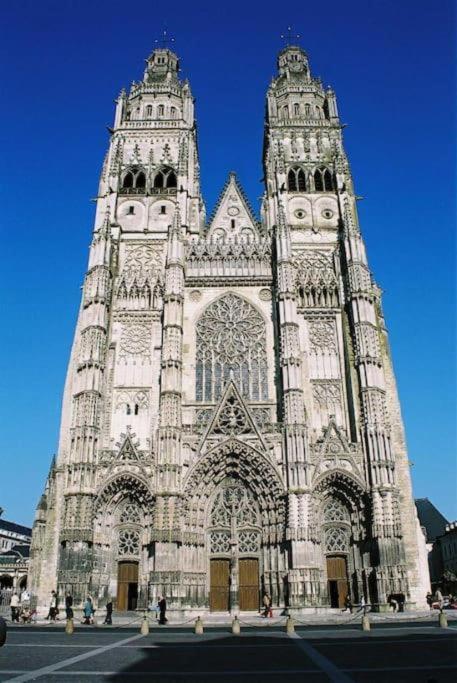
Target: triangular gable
128, 449
233, 217
334, 440
232, 417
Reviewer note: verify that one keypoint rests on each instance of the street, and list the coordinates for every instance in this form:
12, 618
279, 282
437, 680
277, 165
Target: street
411, 651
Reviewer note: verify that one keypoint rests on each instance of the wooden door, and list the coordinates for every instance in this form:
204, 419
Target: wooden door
249, 585
219, 594
337, 576
127, 584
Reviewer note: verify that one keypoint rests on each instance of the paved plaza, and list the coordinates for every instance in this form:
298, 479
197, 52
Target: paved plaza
395, 652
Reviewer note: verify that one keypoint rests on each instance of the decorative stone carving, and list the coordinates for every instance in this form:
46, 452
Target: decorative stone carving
265, 295
135, 341
316, 282
195, 295
129, 542
322, 335
231, 344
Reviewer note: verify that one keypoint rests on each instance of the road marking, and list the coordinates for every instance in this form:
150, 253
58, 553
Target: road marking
328, 667
32, 675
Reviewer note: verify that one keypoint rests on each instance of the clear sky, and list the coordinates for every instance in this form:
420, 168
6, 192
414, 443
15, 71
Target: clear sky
391, 63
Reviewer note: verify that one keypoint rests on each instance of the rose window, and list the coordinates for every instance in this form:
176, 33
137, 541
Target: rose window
231, 344
129, 542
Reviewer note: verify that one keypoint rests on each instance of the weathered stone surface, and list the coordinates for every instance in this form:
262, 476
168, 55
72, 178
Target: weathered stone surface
230, 394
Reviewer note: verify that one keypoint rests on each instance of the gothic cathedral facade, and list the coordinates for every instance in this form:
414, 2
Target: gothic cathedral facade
230, 420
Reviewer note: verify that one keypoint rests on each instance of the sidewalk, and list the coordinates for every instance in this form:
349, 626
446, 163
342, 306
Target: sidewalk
132, 619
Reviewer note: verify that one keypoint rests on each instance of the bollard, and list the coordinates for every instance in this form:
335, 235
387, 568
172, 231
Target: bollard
442, 620
199, 626
290, 625
69, 627
2, 631
236, 627
366, 623
144, 628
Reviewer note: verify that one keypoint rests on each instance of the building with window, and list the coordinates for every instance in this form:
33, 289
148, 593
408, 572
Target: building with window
230, 421
14, 559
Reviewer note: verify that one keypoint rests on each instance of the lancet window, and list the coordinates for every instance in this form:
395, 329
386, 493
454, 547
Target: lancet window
234, 520
296, 180
231, 345
165, 178
323, 181
336, 526
133, 181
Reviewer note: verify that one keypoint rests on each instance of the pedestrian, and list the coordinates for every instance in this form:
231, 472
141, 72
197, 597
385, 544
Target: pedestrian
25, 598
362, 604
268, 612
162, 610
347, 604
439, 598
69, 605
109, 613
53, 607
14, 604
429, 599
88, 610
393, 602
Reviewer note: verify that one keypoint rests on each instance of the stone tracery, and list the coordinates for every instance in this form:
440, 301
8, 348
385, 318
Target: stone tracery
231, 344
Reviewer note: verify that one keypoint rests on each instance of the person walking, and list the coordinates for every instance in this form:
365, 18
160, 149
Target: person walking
162, 611
439, 598
53, 607
69, 605
88, 610
14, 604
268, 612
109, 613
347, 604
429, 599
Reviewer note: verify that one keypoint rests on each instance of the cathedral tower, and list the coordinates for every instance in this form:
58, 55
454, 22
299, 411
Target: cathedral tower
230, 421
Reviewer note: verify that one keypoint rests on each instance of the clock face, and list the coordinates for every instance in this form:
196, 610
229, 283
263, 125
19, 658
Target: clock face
233, 211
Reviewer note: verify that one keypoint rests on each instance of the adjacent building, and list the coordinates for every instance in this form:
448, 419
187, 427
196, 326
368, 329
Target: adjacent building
230, 422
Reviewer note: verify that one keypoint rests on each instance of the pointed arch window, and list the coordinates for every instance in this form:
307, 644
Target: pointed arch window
165, 179
149, 111
173, 112
296, 109
231, 344
296, 179
134, 181
307, 110
323, 180
160, 110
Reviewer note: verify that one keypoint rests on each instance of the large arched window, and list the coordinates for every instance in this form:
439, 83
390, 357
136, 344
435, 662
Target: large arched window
165, 178
231, 344
134, 181
296, 180
323, 181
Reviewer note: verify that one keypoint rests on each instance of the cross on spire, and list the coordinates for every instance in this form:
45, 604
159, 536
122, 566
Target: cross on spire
165, 41
289, 36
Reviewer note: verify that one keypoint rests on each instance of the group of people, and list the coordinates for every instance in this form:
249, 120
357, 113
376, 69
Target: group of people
21, 611
440, 601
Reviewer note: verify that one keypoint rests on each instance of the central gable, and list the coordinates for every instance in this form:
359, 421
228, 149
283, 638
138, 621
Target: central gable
232, 217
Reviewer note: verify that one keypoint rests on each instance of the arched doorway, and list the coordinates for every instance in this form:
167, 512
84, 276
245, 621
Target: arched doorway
234, 539
337, 534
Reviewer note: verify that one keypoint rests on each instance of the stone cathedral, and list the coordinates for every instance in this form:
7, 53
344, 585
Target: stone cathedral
230, 420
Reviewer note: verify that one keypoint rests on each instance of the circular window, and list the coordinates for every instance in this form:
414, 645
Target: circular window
233, 211
327, 213
300, 213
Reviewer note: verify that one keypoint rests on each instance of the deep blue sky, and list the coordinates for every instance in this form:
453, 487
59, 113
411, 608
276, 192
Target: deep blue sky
391, 64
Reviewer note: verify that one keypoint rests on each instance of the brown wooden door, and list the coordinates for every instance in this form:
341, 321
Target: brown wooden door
219, 594
249, 585
337, 576
127, 585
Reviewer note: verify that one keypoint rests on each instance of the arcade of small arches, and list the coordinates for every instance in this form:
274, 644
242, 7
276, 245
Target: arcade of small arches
134, 180
301, 180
